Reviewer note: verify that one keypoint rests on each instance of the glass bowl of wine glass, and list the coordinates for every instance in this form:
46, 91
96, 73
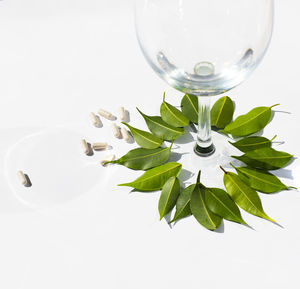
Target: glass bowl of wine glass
204, 47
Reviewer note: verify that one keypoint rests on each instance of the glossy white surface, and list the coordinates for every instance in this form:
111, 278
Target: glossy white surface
62, 59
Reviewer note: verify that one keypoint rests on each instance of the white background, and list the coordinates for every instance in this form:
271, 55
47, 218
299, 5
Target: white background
61, 59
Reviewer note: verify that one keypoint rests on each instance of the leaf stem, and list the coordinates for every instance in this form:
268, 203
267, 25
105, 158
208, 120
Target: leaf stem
142, 114
202, 186
164, 96
273, 138
171, 144
198, 177
294, 188
223, 169
112, 162
274, 105
232, 165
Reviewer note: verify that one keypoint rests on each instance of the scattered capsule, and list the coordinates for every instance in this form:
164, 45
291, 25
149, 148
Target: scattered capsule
107, 159
23, 179
95, 120
85, 146
100, 146
125, 134
116, 131
122, 113
105, 114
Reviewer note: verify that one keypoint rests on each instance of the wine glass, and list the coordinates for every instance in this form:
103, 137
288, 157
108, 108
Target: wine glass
204, 47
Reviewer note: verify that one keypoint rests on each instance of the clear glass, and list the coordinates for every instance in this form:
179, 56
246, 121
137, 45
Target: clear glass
204, 47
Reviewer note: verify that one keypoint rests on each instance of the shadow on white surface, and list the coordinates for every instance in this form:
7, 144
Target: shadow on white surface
221, 229
168, 219
175, 157
55, 163
185, 175
186, 138
8, 202
284, 173
281, 111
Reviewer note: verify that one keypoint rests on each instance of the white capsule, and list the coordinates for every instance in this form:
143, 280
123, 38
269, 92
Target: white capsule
105, 114
85, 146
125, 134
107, 159
122, 113
22, 178
99, 146
95, 120
116, 131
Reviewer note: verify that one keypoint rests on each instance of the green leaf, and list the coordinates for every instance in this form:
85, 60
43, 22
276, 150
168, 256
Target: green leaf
172, 115
155, 178
144, 159
250, 123
189, 107
161, 129
252, 143
265, 158
143, 138
219, 202
260, 180
183, 203
244, 196
168, 197
222, 112
200, 210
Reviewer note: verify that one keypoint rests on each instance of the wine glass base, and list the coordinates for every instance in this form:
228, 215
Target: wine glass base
204, 152
209, 163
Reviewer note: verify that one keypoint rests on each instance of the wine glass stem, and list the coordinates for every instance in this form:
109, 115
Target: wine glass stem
204, 146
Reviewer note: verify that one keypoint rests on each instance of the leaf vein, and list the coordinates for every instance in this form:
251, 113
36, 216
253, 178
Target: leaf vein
219, 114
169, 195
149, 155
159, 173
173, 113
206, 211
163, 126
223, 204
249, 120
188, 97
263, 180
240, 189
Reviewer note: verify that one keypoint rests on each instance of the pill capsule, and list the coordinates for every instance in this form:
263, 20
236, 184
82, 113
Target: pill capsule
95, 120
116, 131
85, 146
99, 146
107, 159
125, 134
22, 178
122, 113
105, 114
